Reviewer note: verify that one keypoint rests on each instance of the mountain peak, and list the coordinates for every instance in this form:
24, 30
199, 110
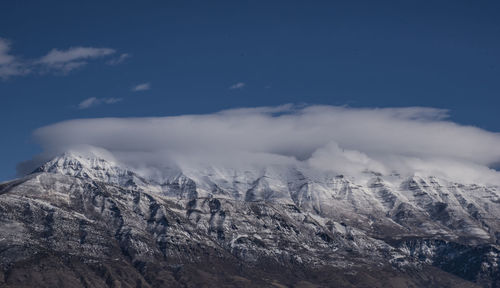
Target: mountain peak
91, 165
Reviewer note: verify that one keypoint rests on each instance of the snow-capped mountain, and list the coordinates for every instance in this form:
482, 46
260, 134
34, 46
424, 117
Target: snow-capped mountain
95, 222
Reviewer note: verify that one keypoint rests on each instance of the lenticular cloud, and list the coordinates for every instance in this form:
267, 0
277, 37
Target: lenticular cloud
325, 138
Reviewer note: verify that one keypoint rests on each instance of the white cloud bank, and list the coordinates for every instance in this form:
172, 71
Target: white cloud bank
335, 139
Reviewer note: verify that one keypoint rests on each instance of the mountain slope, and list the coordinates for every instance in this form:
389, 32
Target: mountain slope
89, 221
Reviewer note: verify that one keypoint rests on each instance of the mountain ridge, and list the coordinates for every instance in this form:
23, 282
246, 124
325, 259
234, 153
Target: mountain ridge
262, 218
292, 186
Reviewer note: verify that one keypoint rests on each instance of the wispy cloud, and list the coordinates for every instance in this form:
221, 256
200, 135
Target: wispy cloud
56, 60
238, 85
142, 87
5, 58
118, 60
93, 101
72, 58
9, 64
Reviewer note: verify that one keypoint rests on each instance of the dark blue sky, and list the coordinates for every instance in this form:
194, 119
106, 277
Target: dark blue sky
443, 54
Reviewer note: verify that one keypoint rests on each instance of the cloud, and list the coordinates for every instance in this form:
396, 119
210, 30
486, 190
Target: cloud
238, 85
5, 58
336, 140
142, 87
118, 60
9, 64
72, 58
93, 101
55, 60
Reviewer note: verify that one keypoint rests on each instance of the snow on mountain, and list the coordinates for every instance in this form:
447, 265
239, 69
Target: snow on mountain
285, 215
376, 203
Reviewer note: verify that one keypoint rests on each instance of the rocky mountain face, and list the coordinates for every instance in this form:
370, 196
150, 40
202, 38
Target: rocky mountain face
84, 221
